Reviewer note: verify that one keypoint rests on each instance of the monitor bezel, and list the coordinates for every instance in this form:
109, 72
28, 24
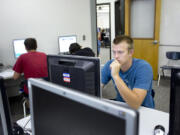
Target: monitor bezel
14, 47
65, 36
5, 110
129, 115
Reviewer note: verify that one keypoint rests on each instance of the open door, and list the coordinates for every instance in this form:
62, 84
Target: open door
142, 23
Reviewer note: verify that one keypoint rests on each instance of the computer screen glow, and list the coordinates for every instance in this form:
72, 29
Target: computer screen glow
65, 42
19, 47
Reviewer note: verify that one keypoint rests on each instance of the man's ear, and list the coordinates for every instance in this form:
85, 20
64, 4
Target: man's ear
131, 51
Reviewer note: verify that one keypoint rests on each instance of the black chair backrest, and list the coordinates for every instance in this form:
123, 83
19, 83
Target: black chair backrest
173, 55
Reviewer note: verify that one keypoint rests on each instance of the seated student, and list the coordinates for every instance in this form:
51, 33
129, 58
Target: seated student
32, 64
75, 49
132, 77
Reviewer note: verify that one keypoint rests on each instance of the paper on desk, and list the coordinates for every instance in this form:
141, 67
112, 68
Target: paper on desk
7, 73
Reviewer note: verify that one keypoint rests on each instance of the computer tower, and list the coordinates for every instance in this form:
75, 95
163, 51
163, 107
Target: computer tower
174, 121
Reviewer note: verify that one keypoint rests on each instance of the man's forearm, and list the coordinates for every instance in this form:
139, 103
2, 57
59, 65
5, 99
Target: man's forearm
16, 75
129, 96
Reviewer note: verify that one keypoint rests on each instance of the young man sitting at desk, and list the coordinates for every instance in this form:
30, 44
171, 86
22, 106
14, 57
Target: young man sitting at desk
32, 64
131, 77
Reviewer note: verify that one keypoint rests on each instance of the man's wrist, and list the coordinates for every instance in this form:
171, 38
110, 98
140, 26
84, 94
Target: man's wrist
115, 77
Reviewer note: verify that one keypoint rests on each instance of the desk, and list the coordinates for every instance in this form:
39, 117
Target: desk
12, 86
7, 74
149, 118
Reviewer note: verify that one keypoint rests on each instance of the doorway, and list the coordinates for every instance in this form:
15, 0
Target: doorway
103, 13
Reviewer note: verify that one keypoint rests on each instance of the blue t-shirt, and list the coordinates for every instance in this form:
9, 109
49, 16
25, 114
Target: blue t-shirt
139, 75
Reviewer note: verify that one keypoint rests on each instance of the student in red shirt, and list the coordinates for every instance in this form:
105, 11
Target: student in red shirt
33, 64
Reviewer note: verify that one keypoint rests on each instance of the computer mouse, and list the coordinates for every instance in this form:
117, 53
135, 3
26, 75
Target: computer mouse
159, 130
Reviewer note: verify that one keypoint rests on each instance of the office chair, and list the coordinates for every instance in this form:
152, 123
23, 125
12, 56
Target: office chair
25, 103
107, 42
173, 59
25, 98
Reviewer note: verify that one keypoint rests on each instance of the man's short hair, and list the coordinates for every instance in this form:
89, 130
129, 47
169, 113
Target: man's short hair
126, 39
74, 47
30, 44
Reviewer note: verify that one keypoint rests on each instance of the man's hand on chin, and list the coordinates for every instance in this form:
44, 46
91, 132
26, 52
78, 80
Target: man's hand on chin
115, 68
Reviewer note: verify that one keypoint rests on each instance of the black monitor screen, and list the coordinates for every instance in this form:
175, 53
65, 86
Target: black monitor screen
57, 115
77, 72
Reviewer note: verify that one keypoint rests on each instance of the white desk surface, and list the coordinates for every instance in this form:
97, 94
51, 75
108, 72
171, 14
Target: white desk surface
149, 118
7, 74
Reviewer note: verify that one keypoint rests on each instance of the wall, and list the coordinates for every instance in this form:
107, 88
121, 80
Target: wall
103, 19
45, 20
169, 30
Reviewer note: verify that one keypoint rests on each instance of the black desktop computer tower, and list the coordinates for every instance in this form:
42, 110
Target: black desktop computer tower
174, 121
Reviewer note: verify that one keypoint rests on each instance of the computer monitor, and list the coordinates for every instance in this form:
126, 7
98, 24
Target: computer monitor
5, 118
65, 42
77, 72
174, 120
19, 47
58, 110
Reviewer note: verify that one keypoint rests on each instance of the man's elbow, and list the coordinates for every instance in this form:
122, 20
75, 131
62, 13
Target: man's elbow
136, 107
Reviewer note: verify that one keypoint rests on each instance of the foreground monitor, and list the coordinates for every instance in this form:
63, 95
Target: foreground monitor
5, 119
57, 110
77, 72
65, 42
19, 47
